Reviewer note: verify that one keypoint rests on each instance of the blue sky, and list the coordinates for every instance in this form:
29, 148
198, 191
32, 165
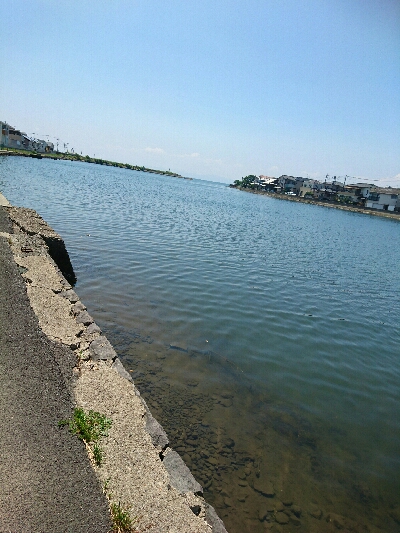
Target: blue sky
211, 89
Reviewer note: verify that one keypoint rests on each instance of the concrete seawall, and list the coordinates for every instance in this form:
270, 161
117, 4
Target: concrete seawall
140, 470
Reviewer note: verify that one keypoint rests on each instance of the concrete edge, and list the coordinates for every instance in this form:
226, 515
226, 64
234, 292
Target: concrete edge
3, 201
95, 346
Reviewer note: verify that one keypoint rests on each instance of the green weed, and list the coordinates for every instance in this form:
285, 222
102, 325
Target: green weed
98, 454
122, 522
89, 427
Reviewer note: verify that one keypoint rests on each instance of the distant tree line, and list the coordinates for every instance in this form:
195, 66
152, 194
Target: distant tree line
246, 182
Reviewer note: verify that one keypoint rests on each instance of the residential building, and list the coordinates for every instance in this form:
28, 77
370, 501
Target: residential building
42, 146
288, 183
348, 197
13, 138
360, 190
385, 199
4, 134
266, 183
306, 187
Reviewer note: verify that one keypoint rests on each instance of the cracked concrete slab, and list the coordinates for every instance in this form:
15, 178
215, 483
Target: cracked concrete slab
54, 315
40, 272
31, 223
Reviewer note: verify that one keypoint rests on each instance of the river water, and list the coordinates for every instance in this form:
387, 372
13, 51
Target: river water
264, 335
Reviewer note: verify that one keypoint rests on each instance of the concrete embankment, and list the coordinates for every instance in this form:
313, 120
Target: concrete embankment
48, 334
47, 483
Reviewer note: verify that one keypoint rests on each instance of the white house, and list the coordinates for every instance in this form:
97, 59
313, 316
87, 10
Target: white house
361, 190
383, 199
288, 183
266, 182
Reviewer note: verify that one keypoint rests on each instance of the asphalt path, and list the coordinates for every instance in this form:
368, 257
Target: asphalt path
46, 482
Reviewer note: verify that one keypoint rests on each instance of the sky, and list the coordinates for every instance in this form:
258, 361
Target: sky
210, 89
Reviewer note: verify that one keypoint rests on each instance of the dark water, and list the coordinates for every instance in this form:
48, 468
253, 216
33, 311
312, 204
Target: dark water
264, 335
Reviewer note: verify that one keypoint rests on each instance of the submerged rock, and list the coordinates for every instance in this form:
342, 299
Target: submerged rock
264, 487
296, 510
281, 518
315, 512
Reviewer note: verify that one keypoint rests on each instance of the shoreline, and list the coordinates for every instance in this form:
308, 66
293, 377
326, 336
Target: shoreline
87, 159
140, 470
354, 209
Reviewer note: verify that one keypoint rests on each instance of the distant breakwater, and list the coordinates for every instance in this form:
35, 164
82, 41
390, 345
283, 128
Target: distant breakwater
87, 159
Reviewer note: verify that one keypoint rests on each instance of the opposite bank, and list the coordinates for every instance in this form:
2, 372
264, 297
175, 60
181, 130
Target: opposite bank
321, 203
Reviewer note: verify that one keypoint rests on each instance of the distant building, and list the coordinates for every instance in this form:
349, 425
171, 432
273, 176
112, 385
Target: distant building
266, 183
4, 134
361, 190
288, 183
385, 199
307, 187
348, 197
41, 146
13, 138
16, 138
358, 194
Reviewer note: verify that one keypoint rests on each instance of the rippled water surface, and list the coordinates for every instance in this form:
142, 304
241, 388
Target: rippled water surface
264, 335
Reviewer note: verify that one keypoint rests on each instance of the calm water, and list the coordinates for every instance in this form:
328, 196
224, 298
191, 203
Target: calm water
264, 334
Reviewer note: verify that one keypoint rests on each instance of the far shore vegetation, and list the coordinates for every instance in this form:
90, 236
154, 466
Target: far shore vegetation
68, 156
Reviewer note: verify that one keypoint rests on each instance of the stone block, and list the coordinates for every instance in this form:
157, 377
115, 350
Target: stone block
102, 350
180, 476
93, 328
84, 318
214, 520
156, 432
78, 307
70, 295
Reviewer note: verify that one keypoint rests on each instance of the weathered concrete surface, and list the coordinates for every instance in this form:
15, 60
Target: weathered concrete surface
33, 224
136, 474
101, 350
53, 312
166, 498
47, 483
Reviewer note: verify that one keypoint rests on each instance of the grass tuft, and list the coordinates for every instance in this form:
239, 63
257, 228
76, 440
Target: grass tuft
122, 522
98, 454
89, 427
